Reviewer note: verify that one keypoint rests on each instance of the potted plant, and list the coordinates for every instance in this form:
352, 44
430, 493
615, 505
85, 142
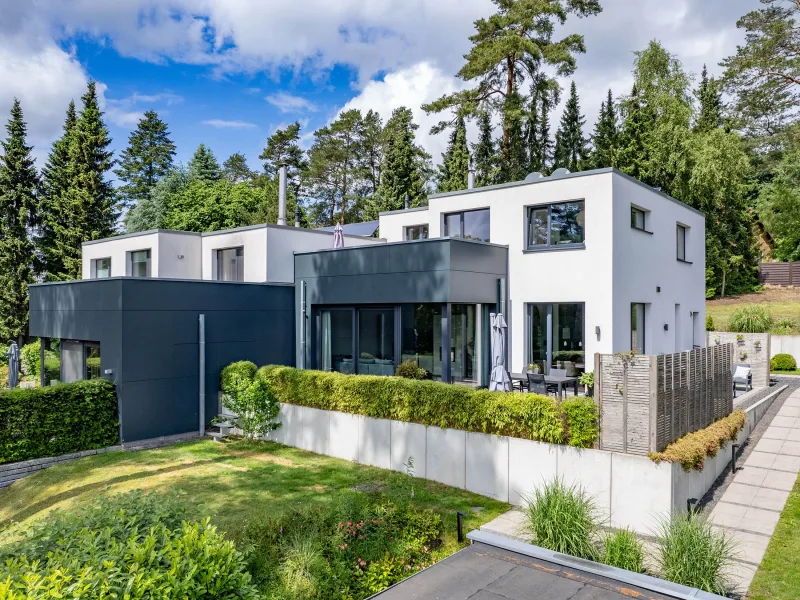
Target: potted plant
740, 338
717, 340
587, 379
742, 355
757, 344
533, 368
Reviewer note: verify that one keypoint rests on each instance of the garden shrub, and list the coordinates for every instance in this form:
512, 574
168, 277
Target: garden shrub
4, 355
750, 319
120, 548
692, 552
49, 421
3, 377
582, 421
784, 326
624, 550
563, 519
527, 416
250, 398
783, 362
411, 370
692, 449
30, 360
709, 323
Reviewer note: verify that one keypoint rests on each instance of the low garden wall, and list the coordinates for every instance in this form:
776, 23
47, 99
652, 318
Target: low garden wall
748, 348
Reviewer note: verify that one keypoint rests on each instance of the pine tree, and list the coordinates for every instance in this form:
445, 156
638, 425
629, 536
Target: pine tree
147, 159
235, 168
86, 209
404, 164
710, 104
455, 161
514, 158
283, 149
606, 136
571, 149
18, 183
204, 165
55, 180
372, 151
632, 150
484, 152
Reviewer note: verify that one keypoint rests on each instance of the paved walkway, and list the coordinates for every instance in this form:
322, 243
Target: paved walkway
751, 505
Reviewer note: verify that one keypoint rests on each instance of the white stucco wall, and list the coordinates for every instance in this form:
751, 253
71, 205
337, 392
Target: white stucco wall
392, 225
644, 262
254, 242
165, 248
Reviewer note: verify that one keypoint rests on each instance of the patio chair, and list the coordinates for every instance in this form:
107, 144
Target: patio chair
558, 372
742, 377
537, 385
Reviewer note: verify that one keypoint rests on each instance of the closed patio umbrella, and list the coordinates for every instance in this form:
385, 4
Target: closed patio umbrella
13, 365
338, 236
499, 381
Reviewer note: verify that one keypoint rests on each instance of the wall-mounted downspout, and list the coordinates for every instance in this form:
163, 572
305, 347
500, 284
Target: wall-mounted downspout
303, 319
282, 195
202, 398
471, 175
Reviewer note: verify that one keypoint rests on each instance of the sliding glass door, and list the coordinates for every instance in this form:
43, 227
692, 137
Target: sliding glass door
463, 355
336, 341
556, 337
421, 338
376, 341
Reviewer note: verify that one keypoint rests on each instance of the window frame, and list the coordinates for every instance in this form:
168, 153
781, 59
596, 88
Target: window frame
239, 259
549, 247
643, 328
549, 333
678, 228
148, 269
407, 228
645, 213
461, 214
93, 267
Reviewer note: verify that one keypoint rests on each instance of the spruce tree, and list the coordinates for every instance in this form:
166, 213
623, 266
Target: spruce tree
403, 169
86, 210
710, 104
571, 149
147, 159
632, 151
18, 183
544, 95
204, 165
55, 180
606, 136
483, 153
455, 161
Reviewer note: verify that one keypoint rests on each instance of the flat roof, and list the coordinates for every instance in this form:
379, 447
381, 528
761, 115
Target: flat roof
387, 244
551, 178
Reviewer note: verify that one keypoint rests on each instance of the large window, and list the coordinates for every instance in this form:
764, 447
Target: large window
416, 232
681, 242
336, 341
472, 225
556, 225
421, 337
463, 350
376, 341
637, 328
556, 337
230, 264
101, 268
140, 263
79, 361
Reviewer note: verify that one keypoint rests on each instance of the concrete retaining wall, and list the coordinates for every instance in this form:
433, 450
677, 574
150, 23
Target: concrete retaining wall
785, 344
631, 491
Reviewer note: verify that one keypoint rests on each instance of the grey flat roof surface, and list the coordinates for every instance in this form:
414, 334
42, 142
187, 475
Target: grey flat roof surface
482, 572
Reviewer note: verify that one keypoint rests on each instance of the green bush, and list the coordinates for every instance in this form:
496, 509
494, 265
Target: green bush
563, 519
783, 362
30, 360
784, 326
692, 552
582, 421
4, 355
709, 323
622, 549
411, 370
121, 548
527, 416
49, 421
250, 398
587, 379
750, 319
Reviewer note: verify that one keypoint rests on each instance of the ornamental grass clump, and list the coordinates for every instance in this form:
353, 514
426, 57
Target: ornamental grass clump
692, 449
564, 519
693, 553
750, 319
622, 549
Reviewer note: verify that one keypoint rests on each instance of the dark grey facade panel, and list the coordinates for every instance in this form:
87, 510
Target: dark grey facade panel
148, 335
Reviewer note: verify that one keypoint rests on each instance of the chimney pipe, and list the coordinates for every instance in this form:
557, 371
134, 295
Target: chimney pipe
282, 195
297, 215
471, 175
405, 202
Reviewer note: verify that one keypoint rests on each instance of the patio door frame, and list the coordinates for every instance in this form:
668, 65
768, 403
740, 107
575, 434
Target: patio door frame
548, 332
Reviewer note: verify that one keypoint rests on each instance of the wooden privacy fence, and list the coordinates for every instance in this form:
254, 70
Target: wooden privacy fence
785, 274
646, 402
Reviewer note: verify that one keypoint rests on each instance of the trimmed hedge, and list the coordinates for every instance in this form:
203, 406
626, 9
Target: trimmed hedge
50, 421
692, 449
783, 362
526, 416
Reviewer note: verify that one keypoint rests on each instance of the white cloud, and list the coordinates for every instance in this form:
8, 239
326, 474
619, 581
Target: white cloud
222, 124
288, 103
126, 112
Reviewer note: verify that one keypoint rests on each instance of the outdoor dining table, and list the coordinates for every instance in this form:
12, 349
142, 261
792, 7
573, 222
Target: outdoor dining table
562, 381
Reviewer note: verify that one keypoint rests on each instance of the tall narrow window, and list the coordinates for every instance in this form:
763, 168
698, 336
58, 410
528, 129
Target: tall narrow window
92, 361
140, 263
230, 264
637, 218
416, 232
681, 241
637, 328
101, 268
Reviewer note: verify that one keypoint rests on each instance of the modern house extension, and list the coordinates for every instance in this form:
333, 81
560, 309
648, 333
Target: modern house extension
579, 263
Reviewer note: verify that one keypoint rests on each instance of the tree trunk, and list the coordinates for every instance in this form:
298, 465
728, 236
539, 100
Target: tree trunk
509, 91
722, 295
344, 193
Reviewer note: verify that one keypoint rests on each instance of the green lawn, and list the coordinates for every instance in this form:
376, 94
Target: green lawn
795, 372
236, 482
778, 577
782, 303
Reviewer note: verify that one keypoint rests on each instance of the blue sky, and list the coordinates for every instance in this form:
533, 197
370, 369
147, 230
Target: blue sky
229, 72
